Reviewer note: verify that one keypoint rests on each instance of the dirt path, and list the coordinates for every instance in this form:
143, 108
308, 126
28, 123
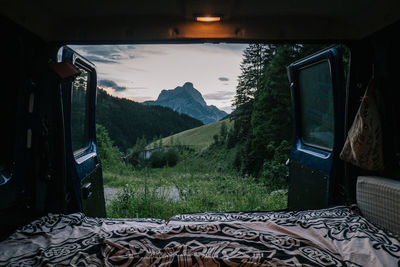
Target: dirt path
172, 193
110, 193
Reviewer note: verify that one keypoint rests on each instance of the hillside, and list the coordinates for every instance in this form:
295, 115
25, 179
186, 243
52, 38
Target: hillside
188, 100
199, 137
126, 120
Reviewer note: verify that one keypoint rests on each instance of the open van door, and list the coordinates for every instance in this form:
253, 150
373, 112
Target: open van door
318, 96
85, 180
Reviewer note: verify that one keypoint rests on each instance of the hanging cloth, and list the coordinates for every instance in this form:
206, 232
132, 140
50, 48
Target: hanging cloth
363, 146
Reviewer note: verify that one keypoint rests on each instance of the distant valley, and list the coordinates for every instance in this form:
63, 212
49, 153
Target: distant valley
127, 120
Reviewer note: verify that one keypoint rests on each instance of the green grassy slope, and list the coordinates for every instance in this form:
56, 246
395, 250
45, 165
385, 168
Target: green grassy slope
197, 138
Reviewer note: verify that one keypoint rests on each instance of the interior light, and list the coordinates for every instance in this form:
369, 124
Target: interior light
208, 19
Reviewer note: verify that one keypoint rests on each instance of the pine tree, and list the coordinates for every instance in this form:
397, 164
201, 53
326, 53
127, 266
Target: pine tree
255, 58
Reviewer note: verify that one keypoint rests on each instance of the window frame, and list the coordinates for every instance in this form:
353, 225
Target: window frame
81, 64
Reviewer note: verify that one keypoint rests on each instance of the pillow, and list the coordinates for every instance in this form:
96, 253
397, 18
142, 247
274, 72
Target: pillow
379, 201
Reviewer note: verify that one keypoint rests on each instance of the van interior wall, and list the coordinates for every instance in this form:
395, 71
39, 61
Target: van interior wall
376, 55
30, 146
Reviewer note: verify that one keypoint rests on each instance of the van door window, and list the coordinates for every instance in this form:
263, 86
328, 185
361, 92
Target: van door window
318, 92
316, 96
79, 112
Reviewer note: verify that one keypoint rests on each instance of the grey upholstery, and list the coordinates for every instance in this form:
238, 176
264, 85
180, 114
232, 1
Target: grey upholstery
379, 201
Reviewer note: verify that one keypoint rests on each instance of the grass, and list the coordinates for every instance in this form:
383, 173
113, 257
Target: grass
202, 181
200, 137
198, 185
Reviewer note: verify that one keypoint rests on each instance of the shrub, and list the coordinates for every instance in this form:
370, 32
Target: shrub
163, 158
135, 154
171, 157
273, 171
110, 155
157, 159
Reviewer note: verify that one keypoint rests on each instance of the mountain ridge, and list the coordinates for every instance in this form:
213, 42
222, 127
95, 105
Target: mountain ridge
188, 100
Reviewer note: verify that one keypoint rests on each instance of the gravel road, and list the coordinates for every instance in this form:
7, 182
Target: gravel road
111, 192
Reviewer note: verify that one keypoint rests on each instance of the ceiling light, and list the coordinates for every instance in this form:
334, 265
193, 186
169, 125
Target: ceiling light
208, 19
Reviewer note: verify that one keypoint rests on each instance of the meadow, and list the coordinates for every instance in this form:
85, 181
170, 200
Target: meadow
200, 182
197, 138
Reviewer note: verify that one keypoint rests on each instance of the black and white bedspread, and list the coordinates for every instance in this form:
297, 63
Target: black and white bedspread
336, 236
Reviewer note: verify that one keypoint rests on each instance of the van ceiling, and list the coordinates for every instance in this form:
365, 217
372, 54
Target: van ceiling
103, 21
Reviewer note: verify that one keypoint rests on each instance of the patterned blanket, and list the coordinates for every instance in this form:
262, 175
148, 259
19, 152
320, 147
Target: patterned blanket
336, 236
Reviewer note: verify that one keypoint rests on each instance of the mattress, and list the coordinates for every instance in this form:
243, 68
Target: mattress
337, 236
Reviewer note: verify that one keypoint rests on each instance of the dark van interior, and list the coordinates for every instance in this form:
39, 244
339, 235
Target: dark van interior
42, 173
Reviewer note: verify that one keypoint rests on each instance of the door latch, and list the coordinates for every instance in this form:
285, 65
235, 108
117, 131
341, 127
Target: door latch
87, 190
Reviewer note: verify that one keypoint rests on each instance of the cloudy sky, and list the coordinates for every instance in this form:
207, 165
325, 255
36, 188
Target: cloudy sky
140, 72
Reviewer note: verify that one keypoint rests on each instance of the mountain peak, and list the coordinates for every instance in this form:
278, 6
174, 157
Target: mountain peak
188, 85
187, 91
188, 100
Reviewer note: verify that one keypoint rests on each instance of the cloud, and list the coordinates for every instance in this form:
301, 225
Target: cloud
227, 109
97, 59
219, 95
103, 50
112, 84
230, 47
109, 54
143, 51
114, 54
225, 48
223, 79
139, 88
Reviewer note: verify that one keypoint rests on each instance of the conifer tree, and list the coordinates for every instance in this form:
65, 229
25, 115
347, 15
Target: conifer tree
263, 116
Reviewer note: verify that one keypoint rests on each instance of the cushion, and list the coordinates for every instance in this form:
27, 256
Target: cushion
379, 201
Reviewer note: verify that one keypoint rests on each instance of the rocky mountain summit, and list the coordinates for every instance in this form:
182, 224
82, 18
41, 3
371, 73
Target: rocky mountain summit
188, 100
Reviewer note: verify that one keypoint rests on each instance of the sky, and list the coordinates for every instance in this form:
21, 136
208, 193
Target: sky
140, 72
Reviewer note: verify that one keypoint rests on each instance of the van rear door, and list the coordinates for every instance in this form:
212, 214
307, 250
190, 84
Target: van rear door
85, 180
318, 96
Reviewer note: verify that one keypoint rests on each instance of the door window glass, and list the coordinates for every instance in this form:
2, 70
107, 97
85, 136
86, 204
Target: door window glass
317, 119
80, 112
